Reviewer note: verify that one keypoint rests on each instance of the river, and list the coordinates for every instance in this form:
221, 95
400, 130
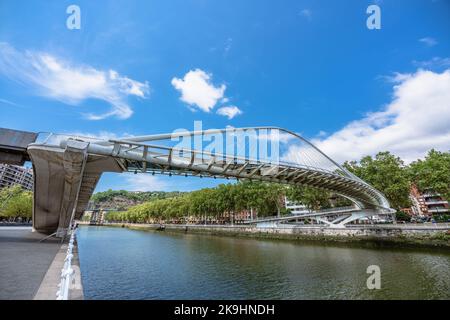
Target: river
118, 263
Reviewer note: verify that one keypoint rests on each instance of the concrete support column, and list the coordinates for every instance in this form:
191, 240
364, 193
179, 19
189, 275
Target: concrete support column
58, 174
75, 157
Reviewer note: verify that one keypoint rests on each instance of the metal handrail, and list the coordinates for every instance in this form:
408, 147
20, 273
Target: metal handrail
67, 271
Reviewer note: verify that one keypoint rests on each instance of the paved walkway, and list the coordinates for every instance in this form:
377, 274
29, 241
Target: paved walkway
24, 261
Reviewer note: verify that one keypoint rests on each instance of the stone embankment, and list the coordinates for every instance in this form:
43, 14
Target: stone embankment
402, 235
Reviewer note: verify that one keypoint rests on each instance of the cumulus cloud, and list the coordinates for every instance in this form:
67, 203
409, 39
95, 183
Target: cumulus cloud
229, 111
198, 91
57, 79
416, 120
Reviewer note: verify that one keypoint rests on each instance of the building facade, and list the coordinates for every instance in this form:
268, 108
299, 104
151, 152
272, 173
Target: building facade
295, 207
425, 204
11, 175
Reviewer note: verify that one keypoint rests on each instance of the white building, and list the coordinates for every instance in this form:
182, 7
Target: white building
295, 207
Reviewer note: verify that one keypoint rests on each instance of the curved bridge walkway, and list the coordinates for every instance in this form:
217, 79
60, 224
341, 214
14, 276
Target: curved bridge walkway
333, 217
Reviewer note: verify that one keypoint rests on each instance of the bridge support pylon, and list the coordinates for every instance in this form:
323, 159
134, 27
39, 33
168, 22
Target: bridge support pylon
57, 180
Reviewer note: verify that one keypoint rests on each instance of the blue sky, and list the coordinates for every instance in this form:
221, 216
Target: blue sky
142, 67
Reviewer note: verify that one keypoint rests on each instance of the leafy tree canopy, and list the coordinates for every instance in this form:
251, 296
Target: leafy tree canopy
386, 173
432, 173
16, 202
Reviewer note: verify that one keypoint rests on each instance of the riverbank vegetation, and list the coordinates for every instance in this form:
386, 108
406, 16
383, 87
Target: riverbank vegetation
393, 178
15, 204
219, 204
122, 199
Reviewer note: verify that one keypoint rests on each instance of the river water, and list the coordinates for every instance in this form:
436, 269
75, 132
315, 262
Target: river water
118, 263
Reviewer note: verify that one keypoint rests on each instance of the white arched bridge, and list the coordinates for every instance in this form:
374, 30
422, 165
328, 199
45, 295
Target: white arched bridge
68, 167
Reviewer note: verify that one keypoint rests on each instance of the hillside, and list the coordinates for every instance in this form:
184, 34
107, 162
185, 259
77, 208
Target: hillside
122, 200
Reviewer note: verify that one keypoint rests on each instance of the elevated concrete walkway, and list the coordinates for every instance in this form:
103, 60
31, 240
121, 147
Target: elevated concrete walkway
13, 145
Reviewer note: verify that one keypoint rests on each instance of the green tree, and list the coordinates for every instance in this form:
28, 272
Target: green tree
15, 203
275, 194
385, 173
312, 198
432, 173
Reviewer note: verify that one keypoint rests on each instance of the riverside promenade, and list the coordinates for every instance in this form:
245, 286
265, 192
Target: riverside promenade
30, 269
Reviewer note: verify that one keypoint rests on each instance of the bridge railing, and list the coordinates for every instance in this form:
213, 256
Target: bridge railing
55, 139
199, 157
67, 271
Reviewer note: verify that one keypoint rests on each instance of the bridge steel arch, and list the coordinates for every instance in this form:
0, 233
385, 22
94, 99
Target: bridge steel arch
67, 167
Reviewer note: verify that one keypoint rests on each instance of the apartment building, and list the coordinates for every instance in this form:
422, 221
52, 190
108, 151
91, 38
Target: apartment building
11, 175
427, 203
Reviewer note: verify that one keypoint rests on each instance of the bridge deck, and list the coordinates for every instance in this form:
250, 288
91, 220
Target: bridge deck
13, 145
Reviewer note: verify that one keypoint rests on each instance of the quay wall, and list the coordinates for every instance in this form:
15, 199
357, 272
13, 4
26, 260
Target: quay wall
411, 235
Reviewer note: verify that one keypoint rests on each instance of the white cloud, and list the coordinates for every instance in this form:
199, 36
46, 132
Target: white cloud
322, 134
430, 42
396, 77
229, 111
433, 62
143, 182
276, 135
54, 78
198, 91
416, 120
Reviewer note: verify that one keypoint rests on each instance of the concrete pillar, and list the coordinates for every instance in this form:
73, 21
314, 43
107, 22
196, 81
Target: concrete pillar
58, 175
64, 179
